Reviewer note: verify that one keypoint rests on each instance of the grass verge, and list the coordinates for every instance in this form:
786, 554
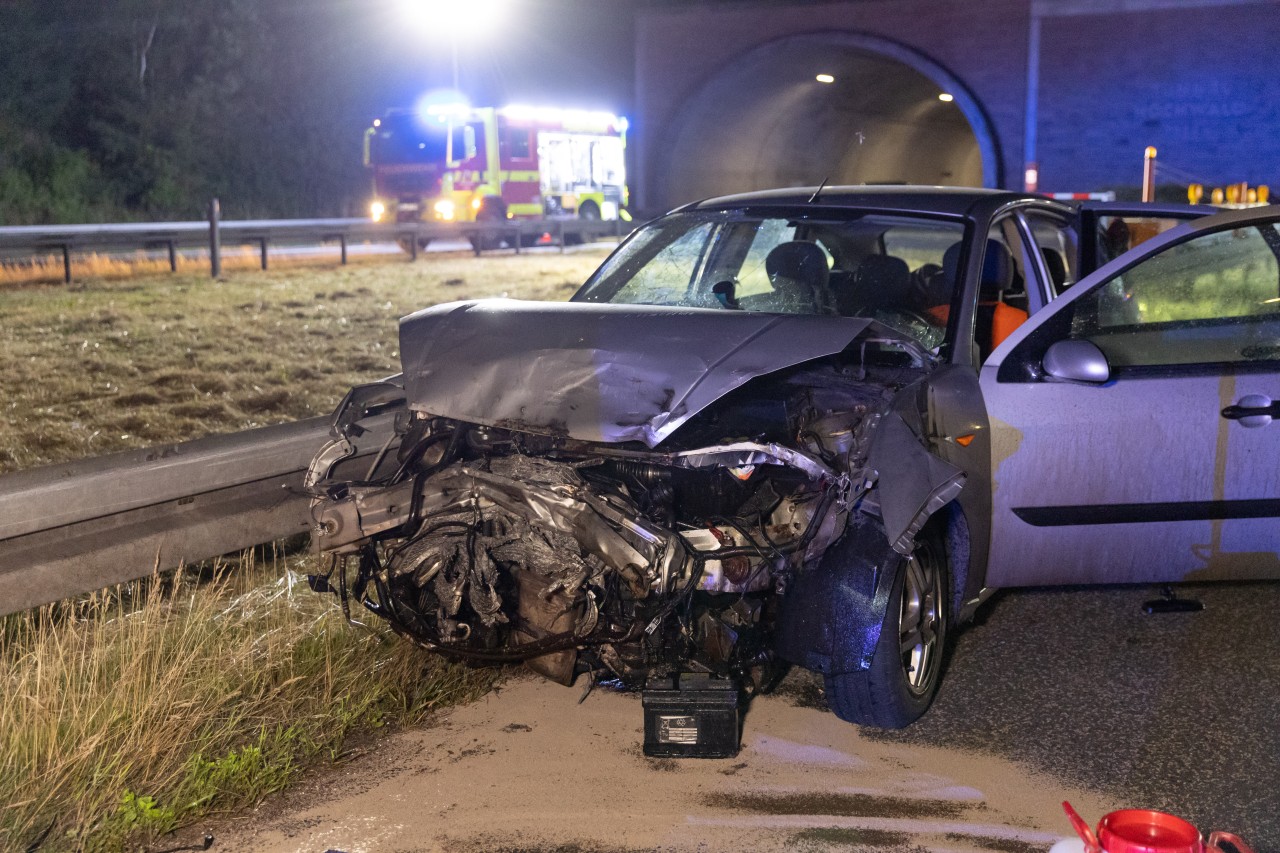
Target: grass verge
113, 364
144, 707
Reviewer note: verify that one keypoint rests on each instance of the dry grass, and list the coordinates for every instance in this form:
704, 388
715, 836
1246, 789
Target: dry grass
114, 364
137, 711
49, 269
141, 709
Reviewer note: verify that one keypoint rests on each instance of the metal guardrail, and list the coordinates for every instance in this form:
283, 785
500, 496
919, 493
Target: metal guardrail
80, 526
69, 239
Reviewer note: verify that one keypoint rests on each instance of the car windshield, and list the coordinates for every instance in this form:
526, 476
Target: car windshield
893, 268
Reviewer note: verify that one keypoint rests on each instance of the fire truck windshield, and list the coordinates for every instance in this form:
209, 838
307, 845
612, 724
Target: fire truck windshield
404, 138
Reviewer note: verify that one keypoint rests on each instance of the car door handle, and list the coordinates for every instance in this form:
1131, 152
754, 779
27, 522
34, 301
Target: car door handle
1253, 410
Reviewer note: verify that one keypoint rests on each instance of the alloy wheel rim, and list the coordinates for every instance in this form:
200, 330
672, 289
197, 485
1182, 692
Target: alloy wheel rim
920, 621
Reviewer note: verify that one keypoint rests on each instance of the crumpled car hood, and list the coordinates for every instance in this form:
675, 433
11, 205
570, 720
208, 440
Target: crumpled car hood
597, 372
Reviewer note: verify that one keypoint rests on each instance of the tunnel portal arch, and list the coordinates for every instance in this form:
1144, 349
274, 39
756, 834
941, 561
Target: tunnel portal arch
764, 121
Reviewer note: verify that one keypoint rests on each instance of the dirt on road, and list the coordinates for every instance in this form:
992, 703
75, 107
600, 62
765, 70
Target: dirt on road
530, 769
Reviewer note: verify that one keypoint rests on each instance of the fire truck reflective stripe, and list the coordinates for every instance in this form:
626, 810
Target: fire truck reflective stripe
398, 169
524, 209
520, 177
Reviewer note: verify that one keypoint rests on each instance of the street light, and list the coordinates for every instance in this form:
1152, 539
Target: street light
456, 20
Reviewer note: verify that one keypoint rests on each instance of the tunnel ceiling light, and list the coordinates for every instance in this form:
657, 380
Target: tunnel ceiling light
946, 97
825, 78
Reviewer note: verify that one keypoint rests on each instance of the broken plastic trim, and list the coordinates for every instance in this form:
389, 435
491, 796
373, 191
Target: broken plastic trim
741, 454
940, 497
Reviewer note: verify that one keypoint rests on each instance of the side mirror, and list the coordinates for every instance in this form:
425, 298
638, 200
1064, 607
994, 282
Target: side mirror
1076, 361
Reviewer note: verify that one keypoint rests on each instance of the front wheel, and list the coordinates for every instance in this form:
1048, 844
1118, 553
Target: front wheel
906, 665
406, 244
588, 212
492, 211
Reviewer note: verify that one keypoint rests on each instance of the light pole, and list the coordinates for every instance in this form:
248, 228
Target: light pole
456, 20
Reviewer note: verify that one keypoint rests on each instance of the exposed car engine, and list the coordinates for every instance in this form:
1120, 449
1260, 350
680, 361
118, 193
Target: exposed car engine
494, 544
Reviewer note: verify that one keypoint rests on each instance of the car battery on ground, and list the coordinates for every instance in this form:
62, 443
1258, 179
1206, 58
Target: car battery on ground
691, 715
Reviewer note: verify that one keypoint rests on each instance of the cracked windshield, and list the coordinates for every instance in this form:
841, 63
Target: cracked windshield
898, 270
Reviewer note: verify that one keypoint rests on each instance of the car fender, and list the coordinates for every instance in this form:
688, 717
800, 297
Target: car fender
830, 618
911, 483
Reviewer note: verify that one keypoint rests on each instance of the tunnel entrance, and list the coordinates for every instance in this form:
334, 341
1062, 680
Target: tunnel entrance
766, 121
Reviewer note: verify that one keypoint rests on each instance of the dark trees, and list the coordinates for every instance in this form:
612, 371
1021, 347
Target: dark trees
146, 108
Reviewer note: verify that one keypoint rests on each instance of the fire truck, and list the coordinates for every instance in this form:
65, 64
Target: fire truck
453, 163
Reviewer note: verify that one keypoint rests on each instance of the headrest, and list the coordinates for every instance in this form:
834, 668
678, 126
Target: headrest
800, 262
881, 281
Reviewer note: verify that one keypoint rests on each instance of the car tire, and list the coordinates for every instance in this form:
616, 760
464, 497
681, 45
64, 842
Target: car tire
489, 214
406, 244
588, 212
899, 684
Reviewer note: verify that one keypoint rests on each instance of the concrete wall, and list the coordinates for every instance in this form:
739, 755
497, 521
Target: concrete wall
1201, 84
1193, 77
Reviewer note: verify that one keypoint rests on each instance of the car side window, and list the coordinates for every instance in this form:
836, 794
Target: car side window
1214, 299
1057, 242
1119, 234
1002, 292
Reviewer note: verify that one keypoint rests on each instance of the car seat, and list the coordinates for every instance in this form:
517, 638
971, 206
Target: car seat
996, 319
880, 283
799, 275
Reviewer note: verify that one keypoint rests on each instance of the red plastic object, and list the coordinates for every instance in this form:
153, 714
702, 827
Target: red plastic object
1082, 829
1147, 831
1216, 838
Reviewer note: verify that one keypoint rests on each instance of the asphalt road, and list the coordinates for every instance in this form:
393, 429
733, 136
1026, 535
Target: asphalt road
528, 769
1175, 712
1053, 694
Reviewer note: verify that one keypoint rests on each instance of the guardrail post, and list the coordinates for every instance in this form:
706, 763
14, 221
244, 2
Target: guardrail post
215, 239
263, 243
173, 257
66, 263
519, 235
342, 238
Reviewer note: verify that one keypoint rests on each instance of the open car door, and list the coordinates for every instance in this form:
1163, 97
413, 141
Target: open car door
1108, 229
1135, 428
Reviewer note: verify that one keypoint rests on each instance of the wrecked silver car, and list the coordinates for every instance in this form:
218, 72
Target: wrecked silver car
756, 436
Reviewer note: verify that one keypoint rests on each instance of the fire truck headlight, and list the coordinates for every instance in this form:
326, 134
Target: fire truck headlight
475, 203
444, 210
608, 210
377, 210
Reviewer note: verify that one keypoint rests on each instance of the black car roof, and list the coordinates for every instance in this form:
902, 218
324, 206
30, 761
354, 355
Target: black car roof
956, 201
